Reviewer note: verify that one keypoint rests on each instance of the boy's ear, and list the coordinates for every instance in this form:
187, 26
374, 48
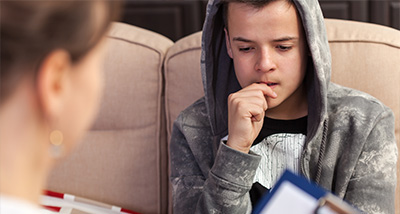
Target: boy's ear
228, 43
52, 84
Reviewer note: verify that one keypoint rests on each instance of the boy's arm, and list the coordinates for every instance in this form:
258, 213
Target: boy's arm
224, 190
223, 186
372, 186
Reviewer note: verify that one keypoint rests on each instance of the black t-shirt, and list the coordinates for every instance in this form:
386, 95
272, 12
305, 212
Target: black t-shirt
270, 127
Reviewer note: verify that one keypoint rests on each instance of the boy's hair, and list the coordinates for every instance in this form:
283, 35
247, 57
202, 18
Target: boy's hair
30, 30
258, 4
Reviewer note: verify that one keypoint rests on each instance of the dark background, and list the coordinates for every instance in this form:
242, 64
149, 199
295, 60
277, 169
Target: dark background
178, 18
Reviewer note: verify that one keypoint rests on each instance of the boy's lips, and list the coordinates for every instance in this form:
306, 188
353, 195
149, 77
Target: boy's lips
270, 84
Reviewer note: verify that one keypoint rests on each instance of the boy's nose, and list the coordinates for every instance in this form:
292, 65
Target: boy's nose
265, 62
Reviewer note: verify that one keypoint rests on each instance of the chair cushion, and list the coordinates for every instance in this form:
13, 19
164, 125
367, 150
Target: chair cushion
183, 84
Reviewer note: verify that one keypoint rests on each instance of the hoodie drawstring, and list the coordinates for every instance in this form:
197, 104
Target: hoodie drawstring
321, 153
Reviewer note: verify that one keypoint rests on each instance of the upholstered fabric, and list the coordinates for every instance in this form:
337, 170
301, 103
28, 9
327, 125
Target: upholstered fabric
122, 160
182, 76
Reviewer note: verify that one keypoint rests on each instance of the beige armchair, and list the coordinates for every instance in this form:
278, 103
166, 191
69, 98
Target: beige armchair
123, 160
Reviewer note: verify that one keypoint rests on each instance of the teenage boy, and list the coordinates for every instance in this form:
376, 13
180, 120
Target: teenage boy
269, 105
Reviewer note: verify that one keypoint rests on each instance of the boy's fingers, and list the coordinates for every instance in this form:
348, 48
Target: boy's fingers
257, 113
257, 118
267, 91
250, 95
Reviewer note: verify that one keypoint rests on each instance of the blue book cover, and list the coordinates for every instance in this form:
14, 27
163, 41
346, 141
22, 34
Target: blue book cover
295, 194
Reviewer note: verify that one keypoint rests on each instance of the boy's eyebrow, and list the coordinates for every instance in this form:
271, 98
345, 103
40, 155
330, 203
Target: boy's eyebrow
283, 39
241, 39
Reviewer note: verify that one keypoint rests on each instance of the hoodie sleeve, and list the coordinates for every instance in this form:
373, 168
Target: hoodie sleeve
373, 183
221, 187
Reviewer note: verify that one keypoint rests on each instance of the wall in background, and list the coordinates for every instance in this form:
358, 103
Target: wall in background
178, 18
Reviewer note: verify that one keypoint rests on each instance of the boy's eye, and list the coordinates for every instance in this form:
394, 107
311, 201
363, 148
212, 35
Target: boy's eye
284, 48
245, 49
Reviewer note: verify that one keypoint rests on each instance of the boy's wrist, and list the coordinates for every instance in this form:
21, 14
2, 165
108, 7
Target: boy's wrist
235, 166
236, 146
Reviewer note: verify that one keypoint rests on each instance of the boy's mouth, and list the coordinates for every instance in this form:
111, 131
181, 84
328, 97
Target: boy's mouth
268, 83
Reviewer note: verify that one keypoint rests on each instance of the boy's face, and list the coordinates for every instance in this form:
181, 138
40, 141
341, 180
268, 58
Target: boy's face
267, 46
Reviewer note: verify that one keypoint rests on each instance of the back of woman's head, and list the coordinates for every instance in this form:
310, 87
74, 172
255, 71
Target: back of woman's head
30, 30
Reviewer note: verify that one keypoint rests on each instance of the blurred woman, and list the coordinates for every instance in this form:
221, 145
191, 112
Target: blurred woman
50, 86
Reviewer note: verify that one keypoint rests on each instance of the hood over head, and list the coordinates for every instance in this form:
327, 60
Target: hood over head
219, 78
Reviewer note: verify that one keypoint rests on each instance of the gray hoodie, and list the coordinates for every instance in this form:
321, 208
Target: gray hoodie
350, 146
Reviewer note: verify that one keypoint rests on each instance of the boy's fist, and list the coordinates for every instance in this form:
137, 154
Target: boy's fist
246, 110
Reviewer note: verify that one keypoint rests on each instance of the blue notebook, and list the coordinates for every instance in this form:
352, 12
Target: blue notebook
295, 194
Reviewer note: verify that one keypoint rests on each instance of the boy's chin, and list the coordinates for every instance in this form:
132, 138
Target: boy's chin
271, 105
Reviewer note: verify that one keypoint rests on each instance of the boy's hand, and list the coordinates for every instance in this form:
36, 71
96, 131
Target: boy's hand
246, 110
